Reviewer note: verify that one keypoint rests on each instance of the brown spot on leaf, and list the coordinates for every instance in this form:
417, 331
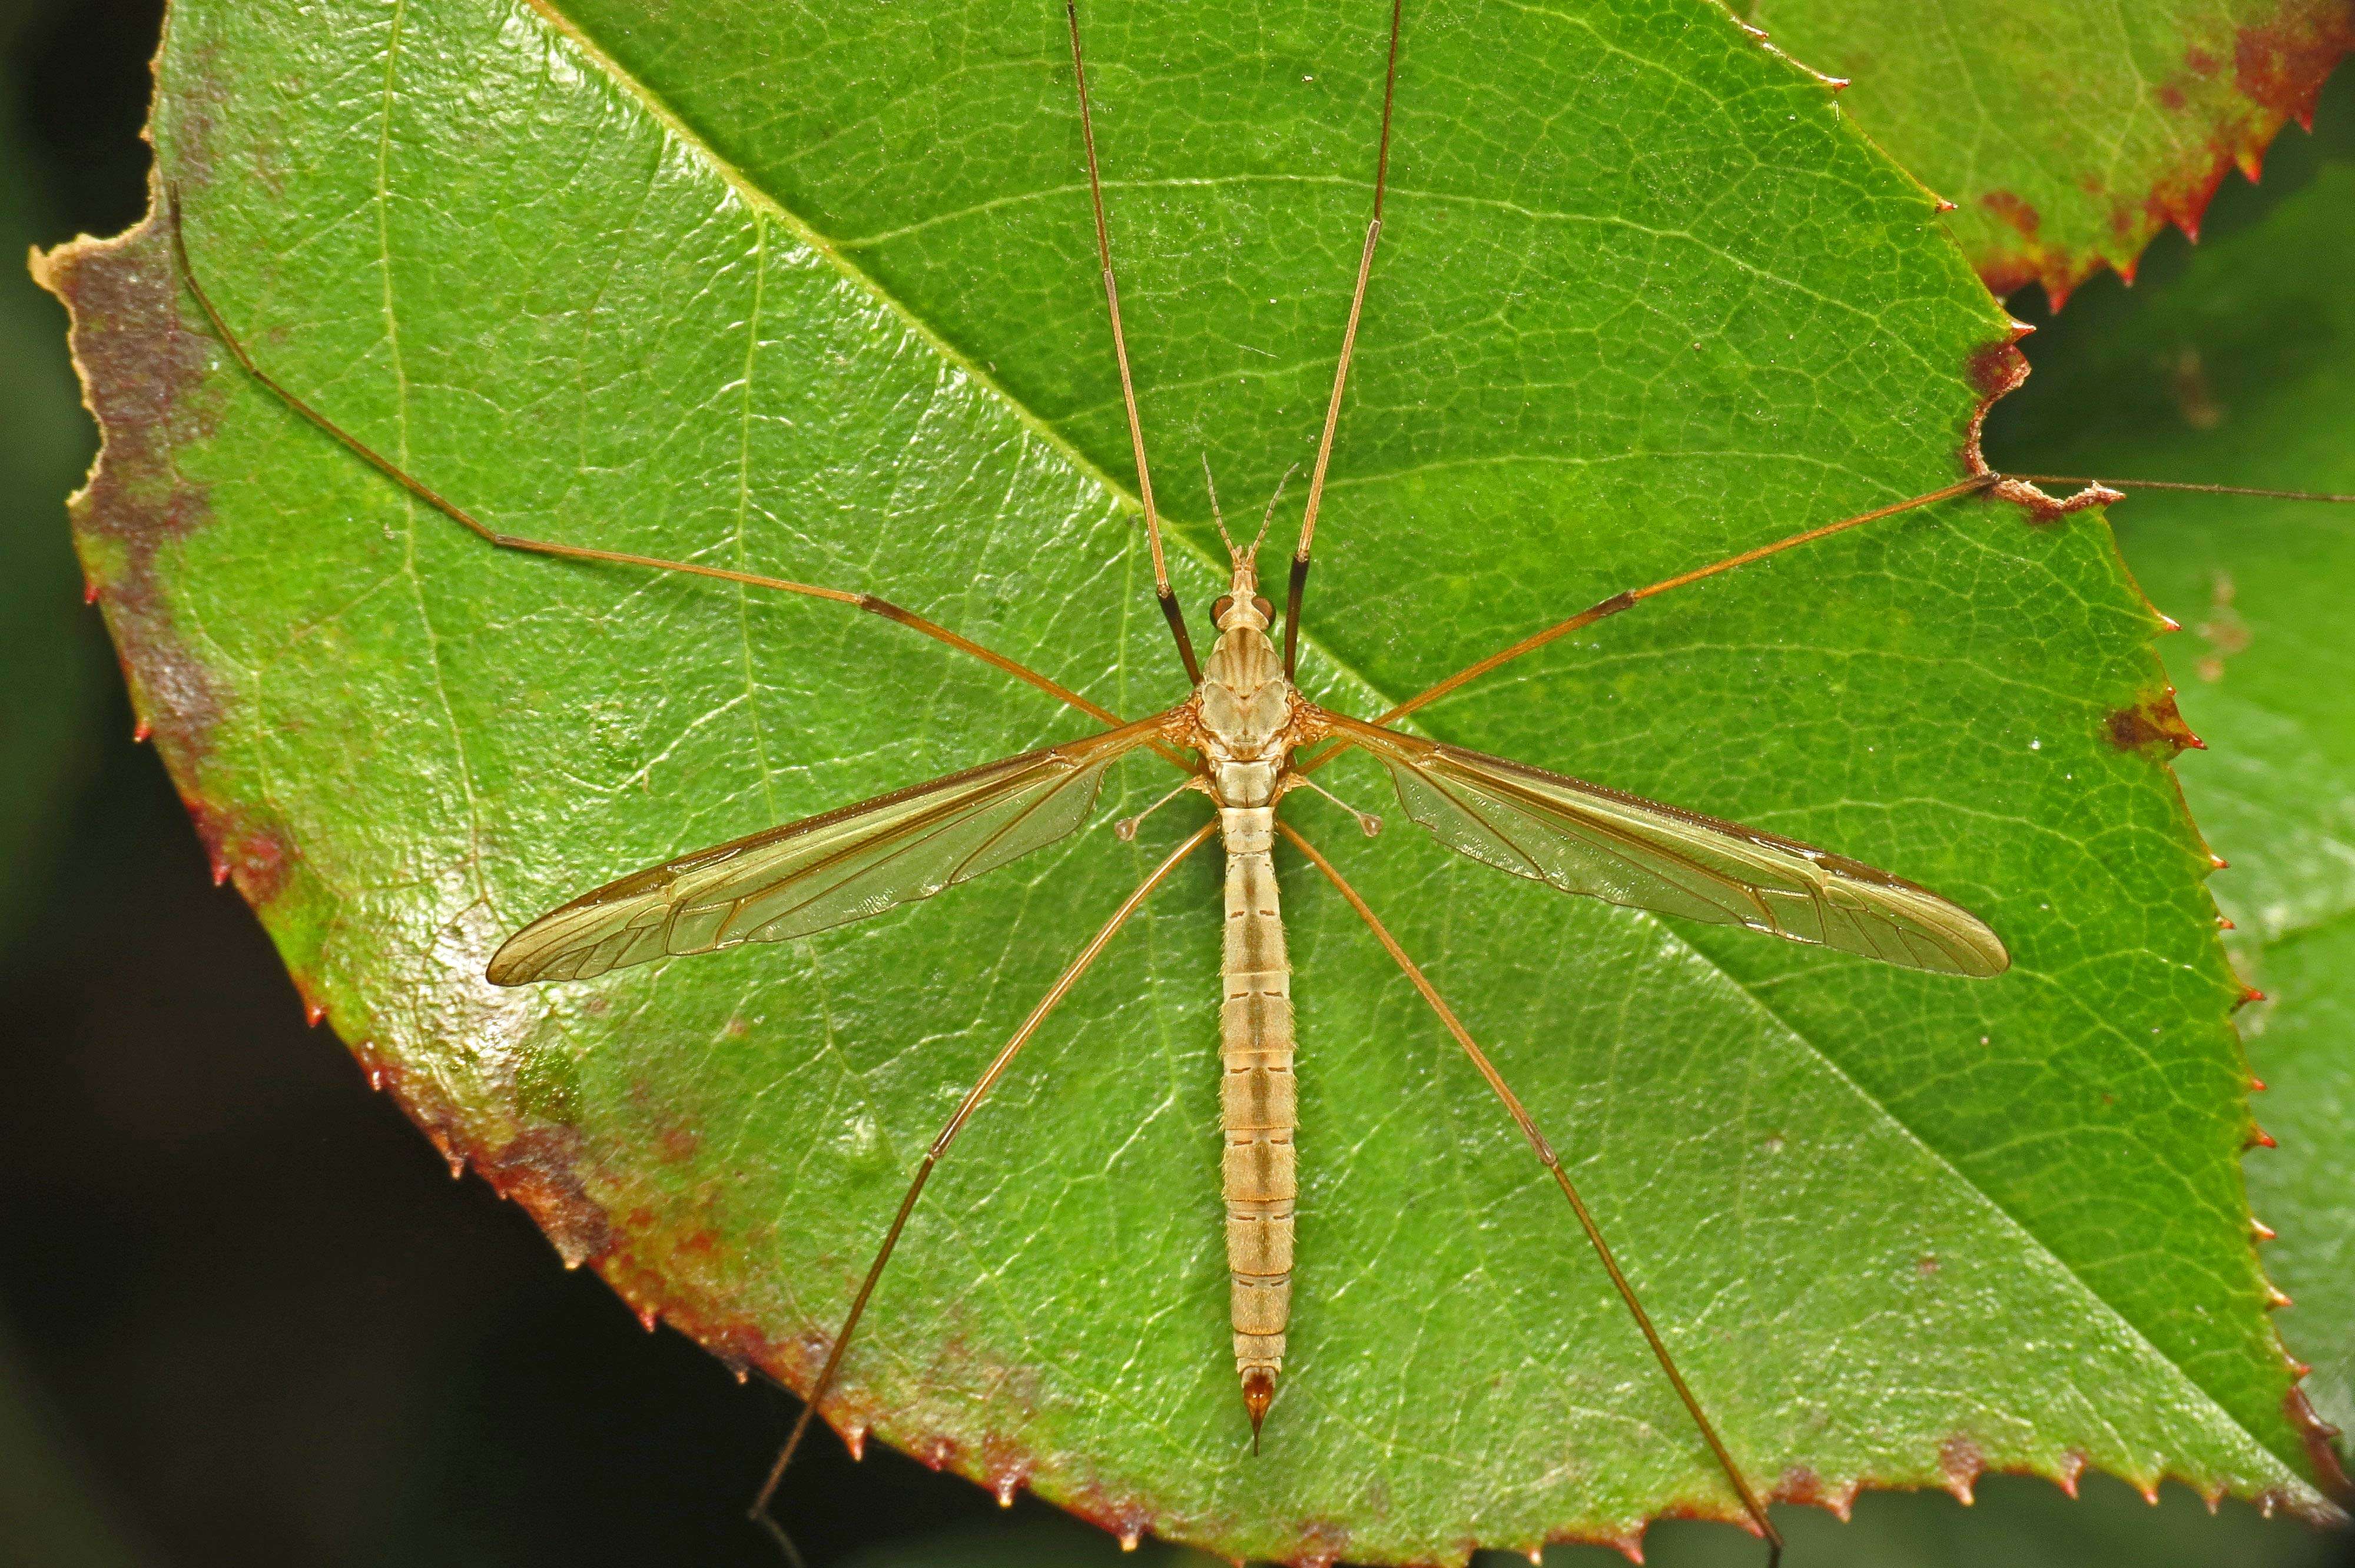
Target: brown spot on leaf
539, 1167
1800, 1485
1325, 1545
2153, 722
1997, 367
2014, 211
701, 1241
2281, 67
244, 848
143, 377
1993, 369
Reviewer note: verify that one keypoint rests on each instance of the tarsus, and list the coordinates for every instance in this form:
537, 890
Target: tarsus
2179, 484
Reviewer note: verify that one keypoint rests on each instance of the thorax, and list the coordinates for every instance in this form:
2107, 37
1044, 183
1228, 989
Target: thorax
1248, 718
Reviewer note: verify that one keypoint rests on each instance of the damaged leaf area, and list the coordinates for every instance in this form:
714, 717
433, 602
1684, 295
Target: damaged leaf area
2069, 135
2240, 369
600, 276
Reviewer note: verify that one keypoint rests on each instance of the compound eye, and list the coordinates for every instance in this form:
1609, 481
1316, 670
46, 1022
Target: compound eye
1219, 611
1266, 610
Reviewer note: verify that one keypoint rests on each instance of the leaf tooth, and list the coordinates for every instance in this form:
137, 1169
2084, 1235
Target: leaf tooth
1962, 1464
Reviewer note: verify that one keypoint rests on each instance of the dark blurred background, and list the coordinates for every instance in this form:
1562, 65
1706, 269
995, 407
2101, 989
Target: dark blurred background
245, 1314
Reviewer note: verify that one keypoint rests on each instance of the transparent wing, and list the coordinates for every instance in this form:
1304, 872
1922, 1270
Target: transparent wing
826, 870
1626, 850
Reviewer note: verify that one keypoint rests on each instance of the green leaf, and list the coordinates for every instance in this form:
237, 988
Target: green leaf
811, 292
2068, 134
2240, 369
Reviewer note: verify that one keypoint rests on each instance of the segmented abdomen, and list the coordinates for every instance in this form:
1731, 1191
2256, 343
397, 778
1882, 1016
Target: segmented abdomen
1259, 1108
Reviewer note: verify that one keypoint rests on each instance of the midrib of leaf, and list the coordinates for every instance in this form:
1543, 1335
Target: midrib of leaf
676, 127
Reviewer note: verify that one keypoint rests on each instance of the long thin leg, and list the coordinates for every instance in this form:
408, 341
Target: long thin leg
996, 1070
1553, 1162
1341, 370
385, 466
1630, 599
1161, 589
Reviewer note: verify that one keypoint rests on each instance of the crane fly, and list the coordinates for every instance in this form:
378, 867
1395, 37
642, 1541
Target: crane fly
1245, 737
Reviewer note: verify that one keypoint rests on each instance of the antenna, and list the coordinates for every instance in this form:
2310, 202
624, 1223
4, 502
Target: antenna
1218, 518
1259, 538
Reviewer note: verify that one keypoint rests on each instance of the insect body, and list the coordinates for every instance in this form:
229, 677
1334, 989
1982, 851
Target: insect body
1247, 722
